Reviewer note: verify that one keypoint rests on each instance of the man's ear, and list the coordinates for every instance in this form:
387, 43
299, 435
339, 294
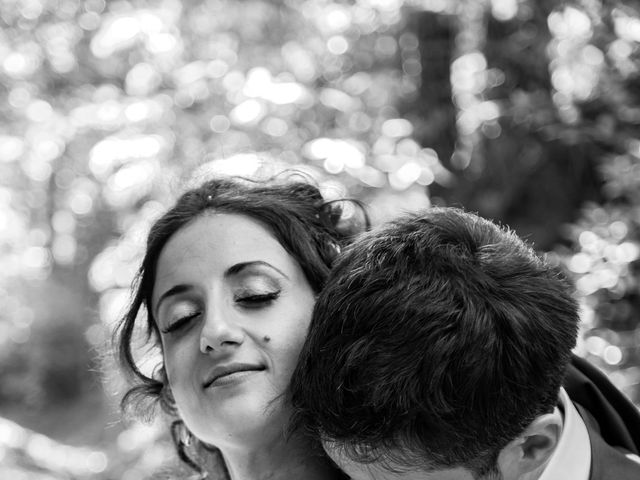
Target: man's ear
526, 457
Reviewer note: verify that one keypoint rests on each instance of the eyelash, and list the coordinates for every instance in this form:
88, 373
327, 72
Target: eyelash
180, 322
254, 301
250, 301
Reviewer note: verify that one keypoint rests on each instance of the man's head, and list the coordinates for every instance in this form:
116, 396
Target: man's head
438, 345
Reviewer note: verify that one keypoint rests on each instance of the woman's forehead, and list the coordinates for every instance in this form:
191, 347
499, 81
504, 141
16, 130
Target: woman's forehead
214, 242
223, 231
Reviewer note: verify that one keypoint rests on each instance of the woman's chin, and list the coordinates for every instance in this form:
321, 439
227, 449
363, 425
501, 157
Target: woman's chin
241, 422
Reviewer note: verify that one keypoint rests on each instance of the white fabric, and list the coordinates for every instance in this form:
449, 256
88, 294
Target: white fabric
572, 457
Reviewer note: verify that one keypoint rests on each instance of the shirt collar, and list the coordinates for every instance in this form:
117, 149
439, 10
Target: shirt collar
572, 456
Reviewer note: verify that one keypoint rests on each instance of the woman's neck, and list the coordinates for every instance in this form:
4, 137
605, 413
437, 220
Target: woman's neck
279, 460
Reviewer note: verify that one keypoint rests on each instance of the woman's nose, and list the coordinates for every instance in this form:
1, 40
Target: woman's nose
220, 332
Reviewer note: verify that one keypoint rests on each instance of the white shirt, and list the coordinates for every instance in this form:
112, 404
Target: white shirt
572, 457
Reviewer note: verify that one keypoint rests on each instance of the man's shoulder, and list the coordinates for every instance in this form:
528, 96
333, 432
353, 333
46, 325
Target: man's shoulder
617, 418
608, 462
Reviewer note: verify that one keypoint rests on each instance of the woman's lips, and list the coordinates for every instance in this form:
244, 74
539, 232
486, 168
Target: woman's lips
228, 373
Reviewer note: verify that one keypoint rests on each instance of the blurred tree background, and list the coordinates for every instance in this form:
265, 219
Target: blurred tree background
526, 111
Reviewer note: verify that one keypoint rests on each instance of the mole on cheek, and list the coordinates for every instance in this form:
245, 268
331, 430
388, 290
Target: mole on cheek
267, 338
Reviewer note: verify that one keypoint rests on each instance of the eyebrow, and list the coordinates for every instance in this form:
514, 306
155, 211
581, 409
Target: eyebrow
238, 267
232, 270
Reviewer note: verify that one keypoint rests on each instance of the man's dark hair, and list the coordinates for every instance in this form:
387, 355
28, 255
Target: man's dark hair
437, 339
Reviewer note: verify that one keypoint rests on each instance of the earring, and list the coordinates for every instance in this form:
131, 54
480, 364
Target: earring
187, 436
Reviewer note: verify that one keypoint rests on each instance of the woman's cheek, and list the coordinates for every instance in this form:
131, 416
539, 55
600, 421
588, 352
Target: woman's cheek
179, 361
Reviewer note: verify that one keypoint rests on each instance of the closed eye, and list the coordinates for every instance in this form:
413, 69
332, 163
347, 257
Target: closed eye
257, 301
180, 322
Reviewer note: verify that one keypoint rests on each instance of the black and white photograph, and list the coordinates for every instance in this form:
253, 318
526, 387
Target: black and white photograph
320, 240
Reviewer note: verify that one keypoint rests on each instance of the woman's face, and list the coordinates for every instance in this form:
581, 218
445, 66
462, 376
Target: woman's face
233, 309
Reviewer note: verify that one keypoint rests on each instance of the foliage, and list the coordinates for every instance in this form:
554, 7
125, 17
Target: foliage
526, 111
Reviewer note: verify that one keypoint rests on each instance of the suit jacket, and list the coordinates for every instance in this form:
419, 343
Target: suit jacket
607, 462
613, 422
617, 418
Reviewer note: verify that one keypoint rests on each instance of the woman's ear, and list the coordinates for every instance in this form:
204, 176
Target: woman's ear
526, 457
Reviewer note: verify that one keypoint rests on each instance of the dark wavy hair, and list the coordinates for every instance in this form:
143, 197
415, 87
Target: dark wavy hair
310, 229
436, 340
